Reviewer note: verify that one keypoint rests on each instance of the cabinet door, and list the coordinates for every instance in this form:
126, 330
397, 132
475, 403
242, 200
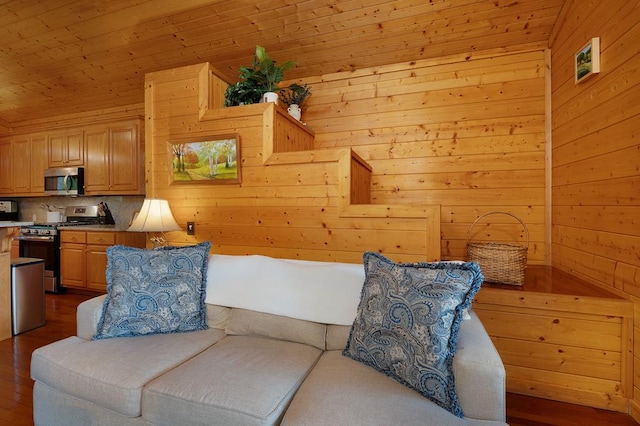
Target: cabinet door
22, 166
96, 174
38, 163
15, 248
97, 267
29, 162
57, 144
125, 166
6, 171
66, 149
75, 149
72, 265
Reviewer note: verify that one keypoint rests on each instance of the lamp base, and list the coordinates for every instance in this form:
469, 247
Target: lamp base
158, 241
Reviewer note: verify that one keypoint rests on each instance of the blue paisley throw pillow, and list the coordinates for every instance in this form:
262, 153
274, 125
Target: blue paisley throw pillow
407, 323
154, 291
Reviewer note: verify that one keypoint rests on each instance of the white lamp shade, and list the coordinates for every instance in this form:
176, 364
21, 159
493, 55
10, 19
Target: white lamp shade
155, 216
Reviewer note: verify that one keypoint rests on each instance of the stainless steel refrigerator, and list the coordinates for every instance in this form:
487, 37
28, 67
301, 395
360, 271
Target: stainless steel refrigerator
27, 294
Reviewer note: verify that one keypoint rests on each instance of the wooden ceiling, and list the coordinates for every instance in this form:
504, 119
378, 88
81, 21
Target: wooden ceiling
67, 56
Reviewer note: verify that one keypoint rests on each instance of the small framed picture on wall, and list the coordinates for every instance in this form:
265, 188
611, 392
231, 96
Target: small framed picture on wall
212, 159
587, 60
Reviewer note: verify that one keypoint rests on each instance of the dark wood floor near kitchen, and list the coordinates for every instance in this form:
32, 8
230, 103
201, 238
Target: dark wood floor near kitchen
16, 386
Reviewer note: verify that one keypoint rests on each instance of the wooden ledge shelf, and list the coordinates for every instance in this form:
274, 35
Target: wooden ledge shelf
550, 280
561, 338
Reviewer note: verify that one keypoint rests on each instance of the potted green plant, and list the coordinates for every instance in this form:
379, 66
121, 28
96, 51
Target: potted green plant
294, 96
248, 90
258, 80
270, 74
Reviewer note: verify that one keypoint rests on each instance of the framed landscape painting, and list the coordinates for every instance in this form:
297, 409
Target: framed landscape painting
587, 60
212, 159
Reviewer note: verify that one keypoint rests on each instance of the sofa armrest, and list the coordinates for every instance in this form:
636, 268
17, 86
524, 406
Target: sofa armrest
480, 373
88, 316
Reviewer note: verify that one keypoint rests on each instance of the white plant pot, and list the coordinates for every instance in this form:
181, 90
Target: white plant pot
270, 97
294, 111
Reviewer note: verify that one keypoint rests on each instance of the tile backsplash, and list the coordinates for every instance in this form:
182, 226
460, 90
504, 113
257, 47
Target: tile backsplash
122, 207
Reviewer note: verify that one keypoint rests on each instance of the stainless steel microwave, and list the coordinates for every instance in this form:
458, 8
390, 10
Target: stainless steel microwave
64, 181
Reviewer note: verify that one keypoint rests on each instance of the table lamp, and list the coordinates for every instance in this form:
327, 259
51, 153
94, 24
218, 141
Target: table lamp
155, 216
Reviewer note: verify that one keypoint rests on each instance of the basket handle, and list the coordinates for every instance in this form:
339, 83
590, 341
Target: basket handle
526, 230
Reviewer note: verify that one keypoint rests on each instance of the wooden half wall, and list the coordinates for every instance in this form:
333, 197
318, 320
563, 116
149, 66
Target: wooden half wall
294, 201
466, 133
463, 132
596, 155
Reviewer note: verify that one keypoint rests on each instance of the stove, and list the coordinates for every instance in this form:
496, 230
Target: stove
42, 241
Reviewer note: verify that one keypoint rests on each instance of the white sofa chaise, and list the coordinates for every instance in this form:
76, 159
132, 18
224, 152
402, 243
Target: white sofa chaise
272, 355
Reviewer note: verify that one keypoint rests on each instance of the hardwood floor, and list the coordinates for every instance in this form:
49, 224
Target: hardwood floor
16, 386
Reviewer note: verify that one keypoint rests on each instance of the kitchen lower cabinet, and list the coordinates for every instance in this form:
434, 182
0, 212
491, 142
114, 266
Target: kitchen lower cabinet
83, 265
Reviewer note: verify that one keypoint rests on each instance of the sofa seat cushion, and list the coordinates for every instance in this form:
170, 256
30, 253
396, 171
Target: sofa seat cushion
112, 372
341, 391
241, 380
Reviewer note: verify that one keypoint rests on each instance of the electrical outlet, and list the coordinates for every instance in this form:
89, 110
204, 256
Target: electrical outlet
191, 228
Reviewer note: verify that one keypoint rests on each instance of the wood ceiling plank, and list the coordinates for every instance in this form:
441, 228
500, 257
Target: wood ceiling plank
97, 54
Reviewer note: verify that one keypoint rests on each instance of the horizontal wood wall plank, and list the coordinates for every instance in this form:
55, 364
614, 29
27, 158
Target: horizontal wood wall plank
560, 358
288, 203
468, 136
592, 392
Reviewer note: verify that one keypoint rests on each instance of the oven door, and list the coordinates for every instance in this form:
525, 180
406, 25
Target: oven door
46, 248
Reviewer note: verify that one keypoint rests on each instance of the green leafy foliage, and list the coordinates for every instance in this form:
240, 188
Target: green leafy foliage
255, 81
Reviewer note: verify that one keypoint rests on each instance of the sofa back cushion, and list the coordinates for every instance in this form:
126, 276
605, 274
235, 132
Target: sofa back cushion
337, 337
251, 323
217, 316
324, 292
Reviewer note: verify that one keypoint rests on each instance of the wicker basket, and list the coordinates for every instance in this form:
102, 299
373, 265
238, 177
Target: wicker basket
502, 263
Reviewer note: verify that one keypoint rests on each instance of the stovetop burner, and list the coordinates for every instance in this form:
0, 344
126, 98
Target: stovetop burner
76, 216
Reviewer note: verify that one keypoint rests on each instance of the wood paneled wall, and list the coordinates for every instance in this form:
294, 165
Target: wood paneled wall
465, 133
596, 153
83, 119
287, 205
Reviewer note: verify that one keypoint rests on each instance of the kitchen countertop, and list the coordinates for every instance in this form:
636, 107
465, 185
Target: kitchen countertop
11, 224
103, 228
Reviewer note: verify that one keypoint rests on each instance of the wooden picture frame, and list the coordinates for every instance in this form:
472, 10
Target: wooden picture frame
211, 159
587, 60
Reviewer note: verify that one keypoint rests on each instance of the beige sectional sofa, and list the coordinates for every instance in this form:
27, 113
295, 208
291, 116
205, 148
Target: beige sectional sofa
272, 355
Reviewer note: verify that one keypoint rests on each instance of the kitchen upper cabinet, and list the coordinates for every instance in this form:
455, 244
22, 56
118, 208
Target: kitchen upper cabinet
29, 162
96, 173
112, 155
66, 149
114, 162
6, 169
22, 163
